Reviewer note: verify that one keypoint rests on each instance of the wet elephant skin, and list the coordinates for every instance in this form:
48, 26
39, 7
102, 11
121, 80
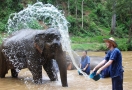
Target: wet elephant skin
33, 49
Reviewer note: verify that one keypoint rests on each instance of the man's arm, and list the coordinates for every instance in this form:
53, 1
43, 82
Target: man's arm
99, 65
105, 66
85, 67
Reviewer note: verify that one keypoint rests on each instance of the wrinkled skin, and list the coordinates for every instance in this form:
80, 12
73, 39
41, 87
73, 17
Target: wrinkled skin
33, 49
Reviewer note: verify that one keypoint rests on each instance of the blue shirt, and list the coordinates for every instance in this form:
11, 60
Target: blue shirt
116, 66
84, 62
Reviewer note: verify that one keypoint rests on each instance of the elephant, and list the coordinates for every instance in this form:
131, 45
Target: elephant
33, 49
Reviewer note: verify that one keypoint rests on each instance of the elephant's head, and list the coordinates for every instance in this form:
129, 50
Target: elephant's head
49, 46
48, 42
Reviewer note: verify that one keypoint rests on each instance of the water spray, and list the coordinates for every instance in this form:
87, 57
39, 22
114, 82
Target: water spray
43, 12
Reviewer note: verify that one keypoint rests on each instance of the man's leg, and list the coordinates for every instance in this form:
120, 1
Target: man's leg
117, 83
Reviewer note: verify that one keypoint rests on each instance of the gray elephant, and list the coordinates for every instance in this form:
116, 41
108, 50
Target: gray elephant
33, 49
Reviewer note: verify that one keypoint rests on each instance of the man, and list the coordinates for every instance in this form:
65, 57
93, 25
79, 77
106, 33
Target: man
113, 59
85, 63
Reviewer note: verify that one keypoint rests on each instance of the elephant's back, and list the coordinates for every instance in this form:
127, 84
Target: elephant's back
19, 36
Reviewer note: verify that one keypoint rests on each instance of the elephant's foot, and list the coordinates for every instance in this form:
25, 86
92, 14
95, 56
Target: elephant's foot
64, 84
14, 73
53, 78
50, 70
2, 76
37, 73
52, 75
37, 81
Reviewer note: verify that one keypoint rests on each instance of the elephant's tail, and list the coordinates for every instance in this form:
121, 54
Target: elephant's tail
3, 64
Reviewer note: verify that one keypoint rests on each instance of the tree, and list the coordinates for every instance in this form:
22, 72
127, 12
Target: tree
76, 8
82, 13
125, 12
113, 21
68, 4
112, 4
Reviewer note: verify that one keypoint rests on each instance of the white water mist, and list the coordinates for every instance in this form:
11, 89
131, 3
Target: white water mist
43, 12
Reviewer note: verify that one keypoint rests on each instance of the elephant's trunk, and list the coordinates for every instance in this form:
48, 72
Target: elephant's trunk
56, 43
60, 57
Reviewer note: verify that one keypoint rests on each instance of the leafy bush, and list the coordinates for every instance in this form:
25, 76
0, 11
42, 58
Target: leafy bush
34, 25
120, 31
2, 26
102, 47
123, 46
129, 46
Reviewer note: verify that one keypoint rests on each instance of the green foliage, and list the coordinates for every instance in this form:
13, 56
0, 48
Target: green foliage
2, 36
122, 45
80, 40
100, 15
96, 20
6, 8
89, 46
129, 46
121, 31
34, 25
2, 26
102, 47
72, 22
97, 44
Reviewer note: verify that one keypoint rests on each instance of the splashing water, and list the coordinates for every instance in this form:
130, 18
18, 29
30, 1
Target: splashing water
43, 12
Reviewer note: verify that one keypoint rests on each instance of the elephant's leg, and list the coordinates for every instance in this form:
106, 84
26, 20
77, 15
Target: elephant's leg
14, 73
50, 70
36, 71
3, 65
2, 75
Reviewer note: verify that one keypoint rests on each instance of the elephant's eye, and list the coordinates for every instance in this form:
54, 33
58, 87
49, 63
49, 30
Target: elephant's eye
49, 39
58, 38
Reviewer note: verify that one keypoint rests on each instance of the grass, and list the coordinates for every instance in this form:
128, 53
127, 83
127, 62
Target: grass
88, 46
96, 43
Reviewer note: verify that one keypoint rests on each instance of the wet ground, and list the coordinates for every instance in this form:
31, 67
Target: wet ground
75, 82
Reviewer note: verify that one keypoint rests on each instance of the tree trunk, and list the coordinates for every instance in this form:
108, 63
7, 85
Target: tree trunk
82, 13
113, 21
68, 7
65, 8
76, 8
130, 33
130, 29
113, 24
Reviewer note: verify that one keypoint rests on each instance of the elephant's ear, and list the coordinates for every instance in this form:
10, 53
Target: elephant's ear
39, 42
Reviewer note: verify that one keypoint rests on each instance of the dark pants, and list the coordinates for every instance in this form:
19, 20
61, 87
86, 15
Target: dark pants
117, 83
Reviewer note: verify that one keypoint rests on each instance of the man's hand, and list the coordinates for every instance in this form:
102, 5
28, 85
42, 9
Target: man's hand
98, 72
93, 70
84, 69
